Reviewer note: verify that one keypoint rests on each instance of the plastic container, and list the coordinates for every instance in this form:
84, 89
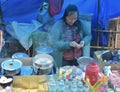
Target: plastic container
80, 86
20, 55
91, 72
67, 85
61, 86
74, 87
86, 88
52, 84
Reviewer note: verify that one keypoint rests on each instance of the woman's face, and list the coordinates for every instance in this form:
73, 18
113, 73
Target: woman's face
71, 18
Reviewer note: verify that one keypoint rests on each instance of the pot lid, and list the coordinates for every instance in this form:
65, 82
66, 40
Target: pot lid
11, 64
43, 61
44, 49
20, 55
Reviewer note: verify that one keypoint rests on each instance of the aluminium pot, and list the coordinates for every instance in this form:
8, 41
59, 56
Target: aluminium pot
43, 64
11, 67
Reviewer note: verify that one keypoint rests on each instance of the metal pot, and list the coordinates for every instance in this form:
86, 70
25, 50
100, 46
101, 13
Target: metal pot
11, 67
43, 64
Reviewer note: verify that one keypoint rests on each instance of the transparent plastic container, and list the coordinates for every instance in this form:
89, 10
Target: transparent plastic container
67, 85
61, 86
52, 84
74, 87
86, 87
80, 86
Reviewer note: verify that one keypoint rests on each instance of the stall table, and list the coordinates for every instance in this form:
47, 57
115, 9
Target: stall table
28, 83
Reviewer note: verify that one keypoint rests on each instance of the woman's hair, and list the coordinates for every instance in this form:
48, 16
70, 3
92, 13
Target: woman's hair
71, 9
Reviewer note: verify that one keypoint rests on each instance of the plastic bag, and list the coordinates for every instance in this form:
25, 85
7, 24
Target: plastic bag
43, 14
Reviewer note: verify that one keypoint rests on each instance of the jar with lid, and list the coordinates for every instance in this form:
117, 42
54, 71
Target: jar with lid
92, 71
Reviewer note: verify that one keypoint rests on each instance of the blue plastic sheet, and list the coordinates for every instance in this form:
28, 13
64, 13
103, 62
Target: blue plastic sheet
108, 9
24, 11
19, 10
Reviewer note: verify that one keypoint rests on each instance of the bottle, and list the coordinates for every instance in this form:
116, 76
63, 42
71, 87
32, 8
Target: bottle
67, 85
74, 80
106, 86
74, 87
52, 85
61, 86
80, 86
86, 87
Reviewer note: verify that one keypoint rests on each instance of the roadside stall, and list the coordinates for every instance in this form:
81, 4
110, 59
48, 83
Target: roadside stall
38, 71
34, 75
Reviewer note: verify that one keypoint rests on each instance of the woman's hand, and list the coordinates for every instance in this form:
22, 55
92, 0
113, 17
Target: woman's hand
82, 43
73, 44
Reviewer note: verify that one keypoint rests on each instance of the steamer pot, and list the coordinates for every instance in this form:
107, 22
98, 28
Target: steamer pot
11, 67
43, 64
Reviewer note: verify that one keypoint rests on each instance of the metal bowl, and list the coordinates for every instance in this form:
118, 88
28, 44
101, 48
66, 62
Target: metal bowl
84, 61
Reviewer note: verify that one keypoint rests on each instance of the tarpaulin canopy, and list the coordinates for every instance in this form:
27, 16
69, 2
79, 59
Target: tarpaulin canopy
108, 9
24, 11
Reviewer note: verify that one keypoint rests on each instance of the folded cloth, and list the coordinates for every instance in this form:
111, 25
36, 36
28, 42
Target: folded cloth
55, 6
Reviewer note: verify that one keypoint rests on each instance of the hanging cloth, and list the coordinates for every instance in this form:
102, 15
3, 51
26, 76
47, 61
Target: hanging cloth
55, 6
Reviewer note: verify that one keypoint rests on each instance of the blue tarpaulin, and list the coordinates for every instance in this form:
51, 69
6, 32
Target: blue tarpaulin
19, 10
108, 9
24, 11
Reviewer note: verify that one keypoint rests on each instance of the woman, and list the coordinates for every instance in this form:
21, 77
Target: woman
69, 37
